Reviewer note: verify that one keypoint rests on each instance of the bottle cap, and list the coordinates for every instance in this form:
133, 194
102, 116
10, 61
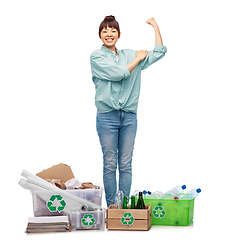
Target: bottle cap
198, 190
145, 192
176, 198
183, 187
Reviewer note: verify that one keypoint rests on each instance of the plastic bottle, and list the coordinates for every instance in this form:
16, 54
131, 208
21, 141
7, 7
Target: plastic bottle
156, 195
119, 200
175, 192
146, 194
191, 194
179, 189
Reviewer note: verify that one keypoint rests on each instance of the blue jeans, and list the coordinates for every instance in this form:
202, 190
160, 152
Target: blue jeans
117, 131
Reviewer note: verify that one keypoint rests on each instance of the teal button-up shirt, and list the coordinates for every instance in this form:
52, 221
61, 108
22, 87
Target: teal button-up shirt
116, 87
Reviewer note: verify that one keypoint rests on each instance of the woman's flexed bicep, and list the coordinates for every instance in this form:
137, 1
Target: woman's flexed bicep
105, 69
153, 56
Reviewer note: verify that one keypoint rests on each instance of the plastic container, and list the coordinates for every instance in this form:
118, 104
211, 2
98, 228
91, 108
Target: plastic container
40, 207
88, 220
171, 212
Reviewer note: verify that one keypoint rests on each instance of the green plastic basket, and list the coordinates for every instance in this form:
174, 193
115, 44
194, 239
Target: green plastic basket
171, 212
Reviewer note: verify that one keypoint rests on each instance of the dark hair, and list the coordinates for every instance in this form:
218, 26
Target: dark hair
109, 21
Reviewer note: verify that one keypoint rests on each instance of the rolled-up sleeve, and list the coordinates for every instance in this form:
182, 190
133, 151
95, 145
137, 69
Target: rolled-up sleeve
153, 56
106, 69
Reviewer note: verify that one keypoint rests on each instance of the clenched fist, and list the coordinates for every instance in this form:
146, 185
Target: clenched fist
152, 22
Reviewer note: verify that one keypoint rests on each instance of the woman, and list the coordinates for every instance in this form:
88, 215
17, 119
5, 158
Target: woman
116, 75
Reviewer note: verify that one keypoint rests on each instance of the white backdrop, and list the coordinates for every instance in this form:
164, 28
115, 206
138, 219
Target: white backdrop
48, 113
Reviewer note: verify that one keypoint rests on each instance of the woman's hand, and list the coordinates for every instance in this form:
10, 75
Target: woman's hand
152, 22
141, 54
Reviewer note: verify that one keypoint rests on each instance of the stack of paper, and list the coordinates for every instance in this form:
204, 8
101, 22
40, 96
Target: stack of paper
48, 224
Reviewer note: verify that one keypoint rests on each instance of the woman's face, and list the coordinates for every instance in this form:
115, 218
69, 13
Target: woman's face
109, 37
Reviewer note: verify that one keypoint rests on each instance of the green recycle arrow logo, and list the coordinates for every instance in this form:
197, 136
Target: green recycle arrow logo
159, 212
52, 206
127, 219
88, 220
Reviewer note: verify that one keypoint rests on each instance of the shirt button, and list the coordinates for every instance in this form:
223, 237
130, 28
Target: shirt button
121, 89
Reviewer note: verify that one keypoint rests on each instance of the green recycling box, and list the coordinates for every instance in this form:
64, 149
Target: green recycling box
171, 212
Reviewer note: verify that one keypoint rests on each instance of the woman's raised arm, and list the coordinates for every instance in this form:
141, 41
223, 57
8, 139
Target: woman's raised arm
158, 38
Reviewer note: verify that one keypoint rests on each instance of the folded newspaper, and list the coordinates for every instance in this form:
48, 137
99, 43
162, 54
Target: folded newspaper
48, 224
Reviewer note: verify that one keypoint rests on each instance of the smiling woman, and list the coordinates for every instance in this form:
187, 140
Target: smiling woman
109, 36
109, 21
116, 75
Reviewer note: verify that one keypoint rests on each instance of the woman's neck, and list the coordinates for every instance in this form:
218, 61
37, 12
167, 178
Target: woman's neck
112, 48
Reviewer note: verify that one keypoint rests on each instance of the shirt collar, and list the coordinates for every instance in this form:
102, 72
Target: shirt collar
108, 50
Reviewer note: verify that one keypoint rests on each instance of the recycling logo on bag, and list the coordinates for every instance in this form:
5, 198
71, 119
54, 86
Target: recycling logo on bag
56, 203
127, 219
88, 220
159, 212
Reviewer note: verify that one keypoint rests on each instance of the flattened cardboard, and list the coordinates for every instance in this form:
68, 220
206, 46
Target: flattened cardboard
60, 171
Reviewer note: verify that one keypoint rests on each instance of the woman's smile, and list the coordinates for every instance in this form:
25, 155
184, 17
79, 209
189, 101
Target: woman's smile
109, 37
109, 40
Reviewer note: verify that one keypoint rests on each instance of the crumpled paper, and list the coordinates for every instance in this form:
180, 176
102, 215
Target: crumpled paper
73, 183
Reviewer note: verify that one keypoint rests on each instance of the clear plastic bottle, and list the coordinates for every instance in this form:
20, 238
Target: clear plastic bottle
156, 195
119, 200
174, 192
191, 194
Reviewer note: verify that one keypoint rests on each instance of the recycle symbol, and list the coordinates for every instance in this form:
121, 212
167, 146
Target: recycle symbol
88, 220
159, 212
127, 219
53, 206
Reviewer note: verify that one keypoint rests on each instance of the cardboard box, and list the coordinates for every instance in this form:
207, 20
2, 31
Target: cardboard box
60, 171
129, 219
